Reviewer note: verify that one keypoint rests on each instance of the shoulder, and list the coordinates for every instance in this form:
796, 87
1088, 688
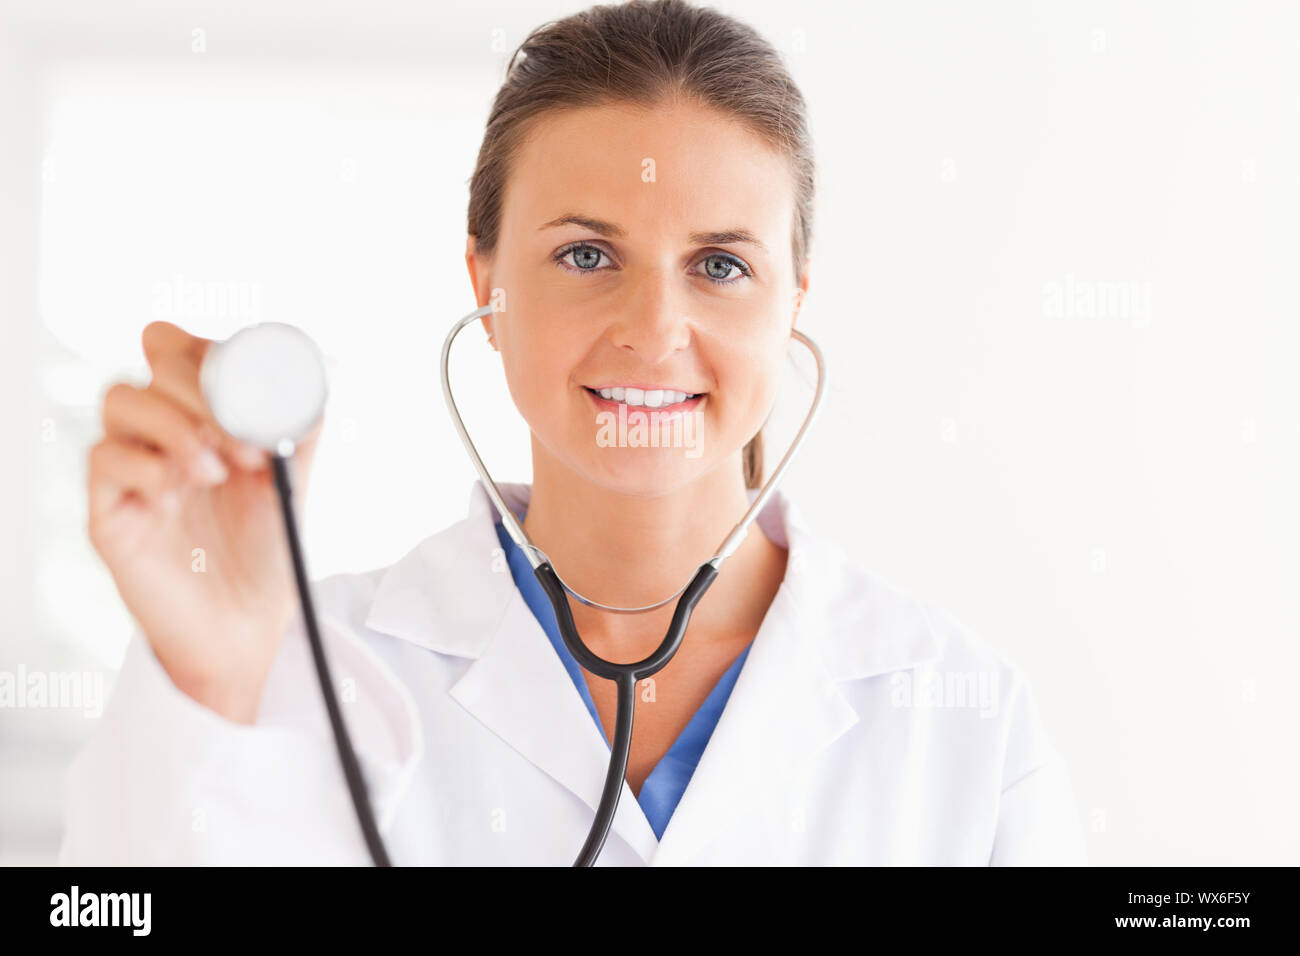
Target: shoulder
447, 593
874, 626
434, 568
346, 597
946, 712
974, 674
866, 607
923, 664
962, 647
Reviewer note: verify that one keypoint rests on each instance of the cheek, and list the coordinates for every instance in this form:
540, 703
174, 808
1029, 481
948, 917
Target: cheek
535, 386
749, 380
539, 370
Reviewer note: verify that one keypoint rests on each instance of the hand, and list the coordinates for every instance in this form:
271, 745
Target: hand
188, 521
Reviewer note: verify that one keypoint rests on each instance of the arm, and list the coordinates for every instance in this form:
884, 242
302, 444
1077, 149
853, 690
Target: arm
1038, 819
164, 780
1038, 823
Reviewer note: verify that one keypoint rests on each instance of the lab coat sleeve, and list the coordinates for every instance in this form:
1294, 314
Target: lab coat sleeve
1038, 818
164, 780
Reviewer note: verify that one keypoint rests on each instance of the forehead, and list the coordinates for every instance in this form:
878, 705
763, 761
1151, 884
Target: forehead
662, 171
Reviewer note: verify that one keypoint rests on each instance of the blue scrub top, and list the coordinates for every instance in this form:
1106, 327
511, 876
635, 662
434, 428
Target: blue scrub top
663, 789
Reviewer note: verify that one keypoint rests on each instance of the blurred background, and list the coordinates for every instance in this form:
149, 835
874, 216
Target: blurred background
1053, 269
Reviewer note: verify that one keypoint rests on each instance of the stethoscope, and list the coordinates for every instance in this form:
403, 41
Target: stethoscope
266, 385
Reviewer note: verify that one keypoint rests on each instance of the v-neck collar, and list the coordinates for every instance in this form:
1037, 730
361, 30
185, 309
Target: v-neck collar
662, 789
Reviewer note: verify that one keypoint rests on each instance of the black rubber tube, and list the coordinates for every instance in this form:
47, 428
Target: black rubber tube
625, 677
347, 756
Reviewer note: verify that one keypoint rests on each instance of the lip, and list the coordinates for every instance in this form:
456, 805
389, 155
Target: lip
664, 411
646, 388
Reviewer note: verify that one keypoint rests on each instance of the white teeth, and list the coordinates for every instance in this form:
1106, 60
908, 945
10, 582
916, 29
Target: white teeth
649, 398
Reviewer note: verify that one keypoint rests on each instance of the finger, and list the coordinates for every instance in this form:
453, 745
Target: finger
159, 339
176, 375
144, 415
118, 468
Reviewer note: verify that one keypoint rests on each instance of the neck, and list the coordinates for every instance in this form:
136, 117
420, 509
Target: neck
629, 551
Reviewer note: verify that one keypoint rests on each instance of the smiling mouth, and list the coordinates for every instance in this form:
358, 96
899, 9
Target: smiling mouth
650, 400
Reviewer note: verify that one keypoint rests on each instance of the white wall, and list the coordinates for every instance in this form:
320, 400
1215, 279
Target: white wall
1105, 492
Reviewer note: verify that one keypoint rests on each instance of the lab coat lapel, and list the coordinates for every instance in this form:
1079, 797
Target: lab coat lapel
520, 691
783, 710
454, 594
830, 622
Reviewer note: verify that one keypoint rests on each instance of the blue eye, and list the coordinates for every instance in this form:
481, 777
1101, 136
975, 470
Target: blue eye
587, 259
589, 254
728, 263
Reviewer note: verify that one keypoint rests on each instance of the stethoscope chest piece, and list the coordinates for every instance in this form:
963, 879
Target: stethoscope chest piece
266, 385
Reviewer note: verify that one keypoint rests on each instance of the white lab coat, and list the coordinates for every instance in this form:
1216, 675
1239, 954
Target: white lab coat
479, 750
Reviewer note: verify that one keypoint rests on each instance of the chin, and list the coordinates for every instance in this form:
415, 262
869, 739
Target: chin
643, 472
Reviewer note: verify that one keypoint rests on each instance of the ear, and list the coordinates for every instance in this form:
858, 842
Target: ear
801, 292
480, 277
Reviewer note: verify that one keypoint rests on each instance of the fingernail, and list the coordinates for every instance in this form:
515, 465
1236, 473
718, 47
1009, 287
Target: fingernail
211, 469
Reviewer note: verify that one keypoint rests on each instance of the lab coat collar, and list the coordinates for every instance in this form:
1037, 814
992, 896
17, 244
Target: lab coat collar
831, 621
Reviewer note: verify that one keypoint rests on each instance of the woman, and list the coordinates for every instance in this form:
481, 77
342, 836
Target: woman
640, 218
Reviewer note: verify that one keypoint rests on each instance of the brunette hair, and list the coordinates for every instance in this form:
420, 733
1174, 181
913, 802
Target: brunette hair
643, 52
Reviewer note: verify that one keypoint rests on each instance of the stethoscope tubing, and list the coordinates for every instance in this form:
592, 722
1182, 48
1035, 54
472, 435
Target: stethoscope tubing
625, 676
343, 743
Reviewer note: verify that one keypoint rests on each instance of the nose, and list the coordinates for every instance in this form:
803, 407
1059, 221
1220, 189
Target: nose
652, 320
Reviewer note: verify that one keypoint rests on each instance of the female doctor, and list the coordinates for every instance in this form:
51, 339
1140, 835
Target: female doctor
641, 209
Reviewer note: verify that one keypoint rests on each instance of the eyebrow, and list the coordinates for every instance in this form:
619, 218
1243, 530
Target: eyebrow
604, 228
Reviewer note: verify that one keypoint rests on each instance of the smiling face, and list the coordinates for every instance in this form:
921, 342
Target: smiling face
647, 250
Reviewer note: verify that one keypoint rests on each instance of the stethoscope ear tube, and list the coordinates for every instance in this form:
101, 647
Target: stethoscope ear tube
347, 756
625, 677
